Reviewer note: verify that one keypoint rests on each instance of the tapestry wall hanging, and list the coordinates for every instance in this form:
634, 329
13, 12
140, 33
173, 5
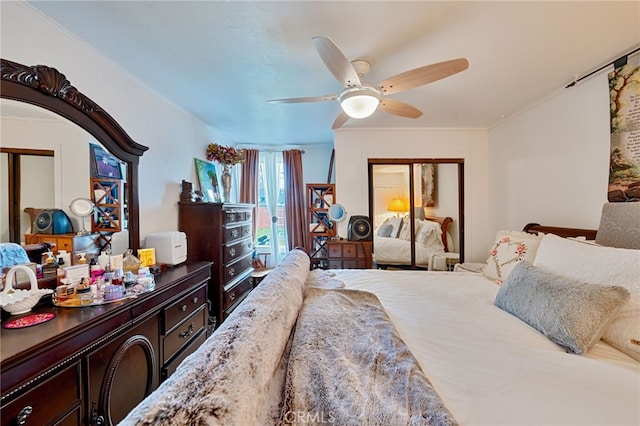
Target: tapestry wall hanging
624, 99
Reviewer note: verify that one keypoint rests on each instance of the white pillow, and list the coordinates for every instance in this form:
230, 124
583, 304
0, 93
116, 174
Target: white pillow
510, 248
597, 264
405, 231
430, 234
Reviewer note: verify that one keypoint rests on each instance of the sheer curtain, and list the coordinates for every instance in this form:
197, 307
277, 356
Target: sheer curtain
272, 169
294, 198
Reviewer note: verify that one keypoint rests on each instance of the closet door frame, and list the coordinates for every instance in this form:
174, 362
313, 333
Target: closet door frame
411, 162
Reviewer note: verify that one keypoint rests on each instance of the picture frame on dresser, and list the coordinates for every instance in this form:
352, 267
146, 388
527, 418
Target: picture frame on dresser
208, 179
103, 164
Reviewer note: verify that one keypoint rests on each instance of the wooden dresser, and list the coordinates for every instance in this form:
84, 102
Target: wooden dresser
221, 234
92, 365
343, 254
71, 243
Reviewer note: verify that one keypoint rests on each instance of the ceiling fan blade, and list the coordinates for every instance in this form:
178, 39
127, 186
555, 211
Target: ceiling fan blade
396, 107
300, 100
340, 120
337, 63
422, 75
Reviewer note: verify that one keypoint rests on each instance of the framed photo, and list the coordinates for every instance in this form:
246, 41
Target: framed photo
103, 164
208, 181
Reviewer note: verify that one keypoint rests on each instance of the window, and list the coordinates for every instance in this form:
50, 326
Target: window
263, 219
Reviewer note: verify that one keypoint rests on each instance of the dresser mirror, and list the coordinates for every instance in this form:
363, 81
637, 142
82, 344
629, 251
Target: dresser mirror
426, 192
47, 90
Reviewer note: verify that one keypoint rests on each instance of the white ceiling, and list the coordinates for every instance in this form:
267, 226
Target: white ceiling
222, 60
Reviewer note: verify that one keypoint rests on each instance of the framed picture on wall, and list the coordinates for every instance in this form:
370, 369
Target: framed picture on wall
208, 181
429, 184
103, 164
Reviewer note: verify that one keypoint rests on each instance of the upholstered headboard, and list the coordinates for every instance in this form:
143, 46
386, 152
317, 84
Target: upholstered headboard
620, 225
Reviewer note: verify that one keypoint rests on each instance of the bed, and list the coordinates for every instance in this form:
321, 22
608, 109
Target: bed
393, 248
387, 347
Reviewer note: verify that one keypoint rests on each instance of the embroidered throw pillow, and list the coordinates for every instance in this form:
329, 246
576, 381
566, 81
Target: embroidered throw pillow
510, 248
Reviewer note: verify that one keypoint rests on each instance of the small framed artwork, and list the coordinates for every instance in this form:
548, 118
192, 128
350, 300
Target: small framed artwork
208, 181
103, 164
429, 185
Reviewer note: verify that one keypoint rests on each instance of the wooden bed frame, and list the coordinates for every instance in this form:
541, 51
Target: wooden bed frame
444, 225
534, 228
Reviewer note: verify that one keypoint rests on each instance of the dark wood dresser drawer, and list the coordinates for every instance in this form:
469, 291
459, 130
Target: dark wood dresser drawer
232, 233
343, 250
236, 216
184, 333
236, 250
237, 292
55, 401
190, 348
343, 254
237, 268
178, 311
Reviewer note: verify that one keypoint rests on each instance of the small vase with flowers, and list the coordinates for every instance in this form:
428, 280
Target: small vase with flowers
227, 156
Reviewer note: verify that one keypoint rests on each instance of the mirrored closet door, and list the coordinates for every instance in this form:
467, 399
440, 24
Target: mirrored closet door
416, 209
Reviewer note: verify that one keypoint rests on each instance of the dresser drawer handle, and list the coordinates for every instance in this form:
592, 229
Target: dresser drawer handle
234, 232
232, 251
232, 271
23, 414
195, 300
187, 333
232, 296
183, 308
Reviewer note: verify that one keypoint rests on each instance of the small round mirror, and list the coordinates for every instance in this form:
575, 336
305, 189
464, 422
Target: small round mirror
337, 213
82, 207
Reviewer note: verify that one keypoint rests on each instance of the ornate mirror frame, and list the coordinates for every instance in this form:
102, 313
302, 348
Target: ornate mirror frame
46, 87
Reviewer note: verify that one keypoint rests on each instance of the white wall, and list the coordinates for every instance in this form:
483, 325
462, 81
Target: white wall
355, 146
69, 178
550, 164
173, 136
315, 163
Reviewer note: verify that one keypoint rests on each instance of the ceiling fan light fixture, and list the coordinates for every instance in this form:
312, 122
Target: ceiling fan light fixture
359, 102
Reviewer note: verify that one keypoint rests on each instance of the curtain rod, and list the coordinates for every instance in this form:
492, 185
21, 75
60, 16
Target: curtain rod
272, 150
621, 61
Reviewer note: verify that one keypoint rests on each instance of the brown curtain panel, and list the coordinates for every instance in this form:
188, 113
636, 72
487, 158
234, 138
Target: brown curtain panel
294, 198
249, 182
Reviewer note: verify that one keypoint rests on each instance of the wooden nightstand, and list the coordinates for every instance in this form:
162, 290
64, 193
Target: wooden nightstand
343, 254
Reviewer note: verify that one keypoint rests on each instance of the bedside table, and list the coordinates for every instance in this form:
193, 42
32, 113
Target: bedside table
344, 254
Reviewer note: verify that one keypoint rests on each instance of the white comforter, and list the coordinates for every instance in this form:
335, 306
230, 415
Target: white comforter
489, 367
396, 251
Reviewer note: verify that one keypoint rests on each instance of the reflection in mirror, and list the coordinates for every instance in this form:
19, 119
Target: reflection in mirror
415, 210
49, 89
46, 164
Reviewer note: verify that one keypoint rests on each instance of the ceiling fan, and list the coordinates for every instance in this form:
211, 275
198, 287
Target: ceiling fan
360, 99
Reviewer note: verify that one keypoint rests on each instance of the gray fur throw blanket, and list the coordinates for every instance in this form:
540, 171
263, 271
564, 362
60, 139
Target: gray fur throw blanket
348, 366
